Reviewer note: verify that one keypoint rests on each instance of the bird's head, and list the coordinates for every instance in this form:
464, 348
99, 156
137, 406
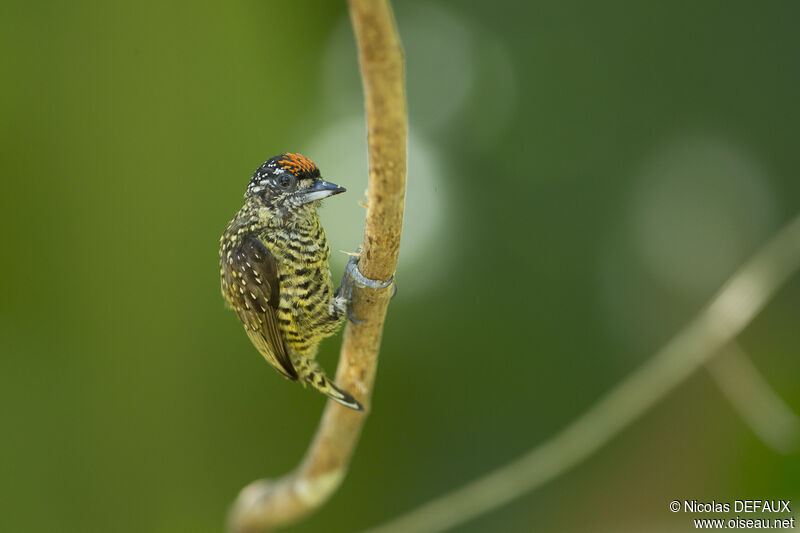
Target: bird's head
289, 184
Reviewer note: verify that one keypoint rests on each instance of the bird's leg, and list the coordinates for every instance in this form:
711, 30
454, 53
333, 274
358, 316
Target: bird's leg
353, 277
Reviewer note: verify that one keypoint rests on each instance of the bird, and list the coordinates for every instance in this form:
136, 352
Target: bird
275, 275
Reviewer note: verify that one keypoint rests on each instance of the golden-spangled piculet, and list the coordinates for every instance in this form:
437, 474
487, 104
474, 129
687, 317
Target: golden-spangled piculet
275, 274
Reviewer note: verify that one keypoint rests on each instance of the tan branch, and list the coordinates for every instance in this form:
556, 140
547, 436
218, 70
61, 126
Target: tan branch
266, 504
728, 313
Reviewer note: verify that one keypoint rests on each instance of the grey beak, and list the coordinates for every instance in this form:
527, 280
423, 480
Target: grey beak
321, 189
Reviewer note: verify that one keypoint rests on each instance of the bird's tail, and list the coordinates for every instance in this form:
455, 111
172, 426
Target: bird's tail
311, 373
338, 395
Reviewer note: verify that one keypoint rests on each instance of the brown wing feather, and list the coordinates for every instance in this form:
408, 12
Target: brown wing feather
251, 281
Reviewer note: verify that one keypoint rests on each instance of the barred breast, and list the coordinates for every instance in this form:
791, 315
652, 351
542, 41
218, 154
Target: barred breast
306, 291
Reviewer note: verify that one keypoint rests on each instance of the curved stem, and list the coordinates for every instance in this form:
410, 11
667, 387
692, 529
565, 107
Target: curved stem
728, 313
759, 406
266, 504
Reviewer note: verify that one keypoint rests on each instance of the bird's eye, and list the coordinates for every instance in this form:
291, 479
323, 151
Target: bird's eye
286, 181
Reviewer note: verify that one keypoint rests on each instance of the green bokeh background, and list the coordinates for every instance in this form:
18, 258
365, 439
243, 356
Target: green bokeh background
534, 280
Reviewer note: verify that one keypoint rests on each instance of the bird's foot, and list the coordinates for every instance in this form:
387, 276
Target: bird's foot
353, 277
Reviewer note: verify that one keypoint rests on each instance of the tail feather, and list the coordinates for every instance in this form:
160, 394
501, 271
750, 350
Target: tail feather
311, 373
345, 398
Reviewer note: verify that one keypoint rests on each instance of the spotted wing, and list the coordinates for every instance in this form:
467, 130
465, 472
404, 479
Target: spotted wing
250, 281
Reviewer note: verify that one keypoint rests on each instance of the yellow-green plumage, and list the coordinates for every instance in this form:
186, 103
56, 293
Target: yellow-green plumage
274, 271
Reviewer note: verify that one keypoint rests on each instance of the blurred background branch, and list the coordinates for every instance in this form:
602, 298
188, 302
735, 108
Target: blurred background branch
757, 403
266, 504
736, 304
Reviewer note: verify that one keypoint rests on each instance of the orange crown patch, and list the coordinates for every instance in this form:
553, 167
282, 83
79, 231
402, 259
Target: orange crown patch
297, 164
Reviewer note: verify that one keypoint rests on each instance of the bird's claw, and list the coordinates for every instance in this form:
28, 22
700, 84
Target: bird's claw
353, 277
352, 318
359, 279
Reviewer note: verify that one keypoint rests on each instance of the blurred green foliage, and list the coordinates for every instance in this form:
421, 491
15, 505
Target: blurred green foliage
131, 399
